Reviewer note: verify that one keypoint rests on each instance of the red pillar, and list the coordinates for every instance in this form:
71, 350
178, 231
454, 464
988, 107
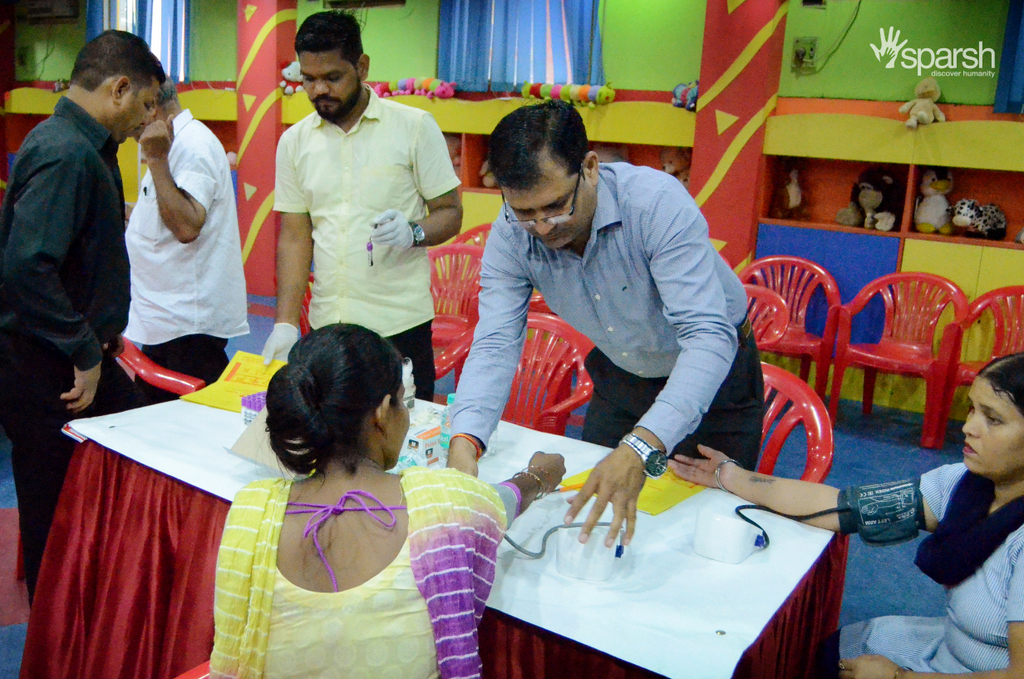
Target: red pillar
739, 83
266, 37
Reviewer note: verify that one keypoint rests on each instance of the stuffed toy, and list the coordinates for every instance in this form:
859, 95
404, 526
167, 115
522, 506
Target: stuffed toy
292, 77
611, 153
590, 95
684, 95
1020, 237
788, 202
676, 161
921, 109
875, 201
980, 221
424, 87
486, 176
931, 214
454, 142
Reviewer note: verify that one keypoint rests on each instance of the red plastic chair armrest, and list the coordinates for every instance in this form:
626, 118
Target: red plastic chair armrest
157, 376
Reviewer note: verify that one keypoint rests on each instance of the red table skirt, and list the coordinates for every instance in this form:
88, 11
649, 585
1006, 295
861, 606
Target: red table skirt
126, 591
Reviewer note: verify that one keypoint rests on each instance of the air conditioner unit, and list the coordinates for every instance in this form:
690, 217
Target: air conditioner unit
361, 4
43, 11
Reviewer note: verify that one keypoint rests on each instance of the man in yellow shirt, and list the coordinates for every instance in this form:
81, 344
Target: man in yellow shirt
355, 182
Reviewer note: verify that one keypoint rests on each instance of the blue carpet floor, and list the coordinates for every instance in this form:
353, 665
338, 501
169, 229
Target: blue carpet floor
882, 446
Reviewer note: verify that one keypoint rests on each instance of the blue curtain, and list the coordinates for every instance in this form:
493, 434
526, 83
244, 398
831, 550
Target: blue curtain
500, 44
94, 16
1010, 90
174, 26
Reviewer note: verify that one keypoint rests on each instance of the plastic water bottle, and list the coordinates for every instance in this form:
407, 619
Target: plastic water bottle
446, 423
408, 383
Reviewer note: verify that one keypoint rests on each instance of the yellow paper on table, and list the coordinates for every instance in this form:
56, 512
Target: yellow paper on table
244, 375
657, 495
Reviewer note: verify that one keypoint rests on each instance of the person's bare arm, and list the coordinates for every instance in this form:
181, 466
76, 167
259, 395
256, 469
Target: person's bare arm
445, 218
180, 212
788, 496
294, 258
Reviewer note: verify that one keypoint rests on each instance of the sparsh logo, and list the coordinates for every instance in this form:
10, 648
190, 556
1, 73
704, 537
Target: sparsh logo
924, 58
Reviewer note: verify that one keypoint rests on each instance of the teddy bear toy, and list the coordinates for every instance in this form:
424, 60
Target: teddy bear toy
980, 221
486, 176
454, 142
788, 202
922, 109
292, 78
875, 201
684, 95
676, 161
931, 214
610, 153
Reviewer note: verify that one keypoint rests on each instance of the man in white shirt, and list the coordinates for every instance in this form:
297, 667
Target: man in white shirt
359, 173
188, 285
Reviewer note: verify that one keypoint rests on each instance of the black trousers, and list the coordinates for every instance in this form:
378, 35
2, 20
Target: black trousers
732, 424
32, 378
199, 356
418, 344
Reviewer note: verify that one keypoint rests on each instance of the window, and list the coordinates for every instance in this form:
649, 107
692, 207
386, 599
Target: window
498, 45
161, 23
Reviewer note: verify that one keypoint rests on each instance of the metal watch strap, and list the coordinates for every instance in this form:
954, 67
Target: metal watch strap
645, 450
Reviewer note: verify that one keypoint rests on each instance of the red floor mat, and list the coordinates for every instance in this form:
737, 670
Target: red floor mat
13, 595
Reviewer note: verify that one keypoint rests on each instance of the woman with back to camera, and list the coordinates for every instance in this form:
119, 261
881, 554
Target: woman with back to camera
975, 512
354, 571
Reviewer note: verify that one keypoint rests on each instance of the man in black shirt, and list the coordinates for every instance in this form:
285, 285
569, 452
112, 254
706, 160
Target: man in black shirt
64, 284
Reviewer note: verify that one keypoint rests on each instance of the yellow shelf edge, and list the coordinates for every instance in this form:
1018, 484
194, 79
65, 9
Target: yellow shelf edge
205, 104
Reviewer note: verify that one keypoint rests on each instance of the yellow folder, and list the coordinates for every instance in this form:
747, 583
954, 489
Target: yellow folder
657, 495
244, 375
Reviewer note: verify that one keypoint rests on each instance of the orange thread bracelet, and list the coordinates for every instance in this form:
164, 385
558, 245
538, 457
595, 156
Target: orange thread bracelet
479, 448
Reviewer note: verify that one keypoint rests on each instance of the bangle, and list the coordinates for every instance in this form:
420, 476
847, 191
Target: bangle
718, 474
540, 484
542, 472
476, 444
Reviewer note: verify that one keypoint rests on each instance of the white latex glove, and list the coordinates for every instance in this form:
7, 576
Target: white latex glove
281, 340
391, 228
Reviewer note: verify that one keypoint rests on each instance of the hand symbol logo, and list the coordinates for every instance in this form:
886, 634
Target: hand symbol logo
890, 46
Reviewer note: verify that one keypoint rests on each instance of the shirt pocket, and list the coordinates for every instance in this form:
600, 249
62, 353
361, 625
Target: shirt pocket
146, 214
386, 187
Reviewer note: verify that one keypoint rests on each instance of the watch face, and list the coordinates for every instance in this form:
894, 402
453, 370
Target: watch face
657, 464
418, 235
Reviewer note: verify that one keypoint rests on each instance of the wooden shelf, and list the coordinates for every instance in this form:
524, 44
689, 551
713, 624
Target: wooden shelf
827, 226
482, 189
914, 235
205, 104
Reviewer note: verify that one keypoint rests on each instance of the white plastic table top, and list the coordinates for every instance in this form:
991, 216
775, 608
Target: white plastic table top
665, 608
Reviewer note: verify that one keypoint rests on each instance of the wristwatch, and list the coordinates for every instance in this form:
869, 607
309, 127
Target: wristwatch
418, 236
655, 461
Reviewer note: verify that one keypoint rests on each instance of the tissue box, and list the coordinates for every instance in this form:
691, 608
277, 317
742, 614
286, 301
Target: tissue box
252, 405
425, 446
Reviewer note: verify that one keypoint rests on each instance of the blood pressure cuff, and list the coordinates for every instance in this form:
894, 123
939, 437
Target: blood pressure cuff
883, 513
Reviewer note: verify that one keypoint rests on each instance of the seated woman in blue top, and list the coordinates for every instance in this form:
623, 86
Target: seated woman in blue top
975, 513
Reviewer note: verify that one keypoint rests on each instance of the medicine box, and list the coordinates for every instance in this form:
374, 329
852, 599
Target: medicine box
425, 446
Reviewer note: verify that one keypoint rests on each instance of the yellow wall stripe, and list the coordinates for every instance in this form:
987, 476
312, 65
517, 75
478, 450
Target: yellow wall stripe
257, 118
261, 37
748, 53
733, 151
257, 224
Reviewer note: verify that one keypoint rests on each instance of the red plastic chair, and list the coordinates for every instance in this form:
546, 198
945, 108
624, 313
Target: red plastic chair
475, 236
538, 305
455, 286
789, 401
913, 304
1007, 308
796, 280
768, 316
141, 366
307, 298
550, 381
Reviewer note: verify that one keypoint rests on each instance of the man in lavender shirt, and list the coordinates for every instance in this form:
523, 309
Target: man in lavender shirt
622, 254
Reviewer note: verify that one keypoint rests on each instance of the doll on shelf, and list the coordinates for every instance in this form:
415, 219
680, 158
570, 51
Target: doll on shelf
788, 200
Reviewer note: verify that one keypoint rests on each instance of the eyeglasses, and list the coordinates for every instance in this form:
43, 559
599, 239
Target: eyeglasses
553, 220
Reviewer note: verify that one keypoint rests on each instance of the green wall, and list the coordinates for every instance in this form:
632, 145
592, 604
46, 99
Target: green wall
854, 72
33, 42
214, 38
651, 44
401, 41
